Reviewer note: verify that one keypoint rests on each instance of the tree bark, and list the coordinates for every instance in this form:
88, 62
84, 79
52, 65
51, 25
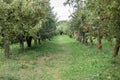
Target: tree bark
117, 46
29, 41
99, 45
6, 47
21, 40
85, 39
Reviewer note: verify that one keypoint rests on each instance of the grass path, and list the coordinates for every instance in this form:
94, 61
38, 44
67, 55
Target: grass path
62, 58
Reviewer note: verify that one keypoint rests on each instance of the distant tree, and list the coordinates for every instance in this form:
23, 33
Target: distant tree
63, 27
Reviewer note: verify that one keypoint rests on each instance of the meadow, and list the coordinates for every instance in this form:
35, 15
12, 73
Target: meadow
61, 58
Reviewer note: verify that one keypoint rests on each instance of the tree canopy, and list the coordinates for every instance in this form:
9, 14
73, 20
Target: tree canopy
96, 18
25, 20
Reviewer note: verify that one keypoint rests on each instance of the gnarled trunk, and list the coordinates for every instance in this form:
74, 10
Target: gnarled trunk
117, 46
29, 41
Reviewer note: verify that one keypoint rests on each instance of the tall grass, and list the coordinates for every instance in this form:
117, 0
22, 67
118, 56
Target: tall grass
62, 58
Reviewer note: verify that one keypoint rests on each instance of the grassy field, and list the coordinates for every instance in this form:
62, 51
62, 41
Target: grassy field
62, 58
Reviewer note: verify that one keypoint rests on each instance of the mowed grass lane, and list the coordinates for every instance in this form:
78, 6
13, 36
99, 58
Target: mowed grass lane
62, 58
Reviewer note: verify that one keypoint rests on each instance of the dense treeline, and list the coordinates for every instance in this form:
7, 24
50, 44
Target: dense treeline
25, 20
95, 18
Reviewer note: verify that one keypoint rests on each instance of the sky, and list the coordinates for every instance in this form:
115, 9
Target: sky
63, 12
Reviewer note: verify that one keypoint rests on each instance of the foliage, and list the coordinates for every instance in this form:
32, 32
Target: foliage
21, 19
63, 26
95, 18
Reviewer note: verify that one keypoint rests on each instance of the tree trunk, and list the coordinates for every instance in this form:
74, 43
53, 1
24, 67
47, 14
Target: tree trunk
6, 48
80, 38
35, 41
29, 41
99, 45
39, 41
21, 40
22, 45
91, 41
117, 46
85, 39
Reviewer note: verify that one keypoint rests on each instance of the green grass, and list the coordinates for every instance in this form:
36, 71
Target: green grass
62, 58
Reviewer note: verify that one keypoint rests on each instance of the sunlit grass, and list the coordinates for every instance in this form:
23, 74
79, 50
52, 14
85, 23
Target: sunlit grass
62, 58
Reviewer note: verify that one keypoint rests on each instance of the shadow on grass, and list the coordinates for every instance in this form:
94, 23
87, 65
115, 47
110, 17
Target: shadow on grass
46, 48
